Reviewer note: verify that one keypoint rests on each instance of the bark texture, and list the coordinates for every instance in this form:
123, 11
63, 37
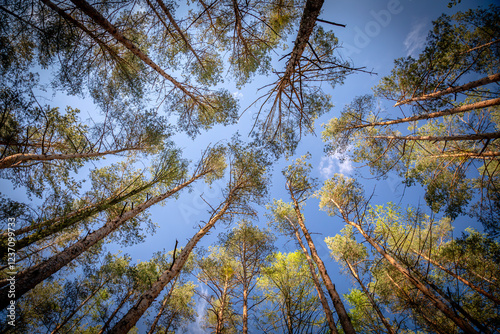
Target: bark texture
28, 279
473, 84
345, 321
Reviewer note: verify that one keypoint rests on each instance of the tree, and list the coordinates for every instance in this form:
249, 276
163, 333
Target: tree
291, 306
112, 187
250, 247
300, 187
177, 309
352, 255
294, 101
217, 270
453, 153
176, 181
345, 196
118, 58
284, 221
247, 185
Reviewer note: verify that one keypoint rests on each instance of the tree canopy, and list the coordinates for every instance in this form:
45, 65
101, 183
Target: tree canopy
139, 144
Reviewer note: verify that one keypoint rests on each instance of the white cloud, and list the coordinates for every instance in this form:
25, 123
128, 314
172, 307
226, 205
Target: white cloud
237, 95
332, 164
196, 327
415, 40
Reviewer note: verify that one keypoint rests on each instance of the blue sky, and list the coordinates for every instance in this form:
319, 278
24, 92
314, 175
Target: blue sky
376, 33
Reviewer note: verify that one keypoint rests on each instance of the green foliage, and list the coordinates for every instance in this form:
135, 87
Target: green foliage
292, 305
343, 192
436, 153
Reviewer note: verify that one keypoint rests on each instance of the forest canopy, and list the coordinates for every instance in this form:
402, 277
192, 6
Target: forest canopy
114, 114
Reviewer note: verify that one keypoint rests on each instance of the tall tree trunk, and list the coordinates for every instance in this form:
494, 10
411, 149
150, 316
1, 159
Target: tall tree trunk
115, 312
16, 159
162, 308
65, 321
480, 136
220, 313
473, 84
451, 111
113, 31
71, 20
345, 321
449, 299
28, 279
417, 307
38, 250
471, 155
319, 289
370, 298
460, 278
307, 23
180, 32
245, 309
147, 298
435, 300
58, 224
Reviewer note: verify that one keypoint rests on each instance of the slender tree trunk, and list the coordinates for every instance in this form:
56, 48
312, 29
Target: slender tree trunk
162, 308
245, 309
16, 159
370, 298
179, 31
71, 20
312, 269
345, 321
464, 325
480, 136
220, 313
460, 278
113, 31
65, 321
451, 111
115, 312
170, 322
38, 250
307, 23
417, 307
143, 303
31, 277
473, 84
449, 299
471, 155
83, 316
58, 224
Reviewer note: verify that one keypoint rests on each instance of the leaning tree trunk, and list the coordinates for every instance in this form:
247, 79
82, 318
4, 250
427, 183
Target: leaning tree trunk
113, 315
56, 225
451, 111
180, 32
460, 278
68, 318
345, 321
312, 269
162, 308
28, 279
473, 84
113, 31
435, 300
147, 298
370, 298
16, 160
479, 136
